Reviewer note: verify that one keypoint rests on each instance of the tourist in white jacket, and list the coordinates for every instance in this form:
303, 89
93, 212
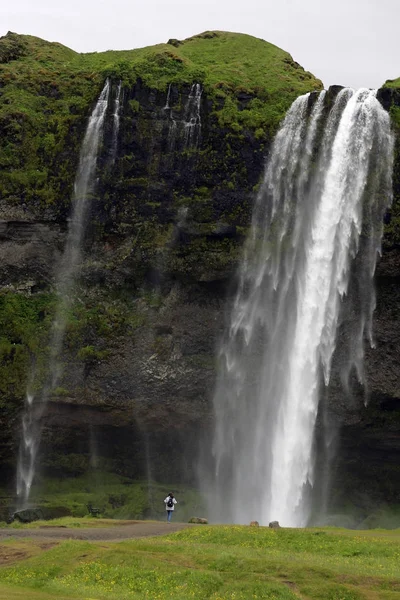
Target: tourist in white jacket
170, 505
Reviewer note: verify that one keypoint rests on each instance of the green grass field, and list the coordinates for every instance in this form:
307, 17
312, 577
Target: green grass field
213, 562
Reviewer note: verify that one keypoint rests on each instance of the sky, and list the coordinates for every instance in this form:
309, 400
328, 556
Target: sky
346, 42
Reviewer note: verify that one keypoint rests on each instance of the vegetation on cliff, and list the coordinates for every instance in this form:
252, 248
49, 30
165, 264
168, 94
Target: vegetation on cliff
392, 83
47, 91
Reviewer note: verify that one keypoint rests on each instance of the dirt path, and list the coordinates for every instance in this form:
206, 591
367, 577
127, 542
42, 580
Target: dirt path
101, 534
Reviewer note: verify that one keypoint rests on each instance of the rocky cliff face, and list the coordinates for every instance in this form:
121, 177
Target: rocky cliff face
170, 212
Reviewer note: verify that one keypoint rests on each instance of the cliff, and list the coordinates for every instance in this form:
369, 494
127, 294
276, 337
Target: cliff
169, 215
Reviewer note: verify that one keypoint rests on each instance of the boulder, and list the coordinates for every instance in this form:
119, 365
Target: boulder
274, 525
199, 520
254, 524
27, 515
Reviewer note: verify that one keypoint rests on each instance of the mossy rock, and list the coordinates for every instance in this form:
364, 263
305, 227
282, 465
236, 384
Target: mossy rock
198, 520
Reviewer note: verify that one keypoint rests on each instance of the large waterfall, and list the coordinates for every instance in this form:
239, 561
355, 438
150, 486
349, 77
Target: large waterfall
36, 400
320, 208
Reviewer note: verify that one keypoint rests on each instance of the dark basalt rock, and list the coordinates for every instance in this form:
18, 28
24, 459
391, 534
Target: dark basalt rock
388, 97
27, 515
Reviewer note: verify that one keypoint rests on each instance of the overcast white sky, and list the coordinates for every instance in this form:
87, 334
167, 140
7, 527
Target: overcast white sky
348, 42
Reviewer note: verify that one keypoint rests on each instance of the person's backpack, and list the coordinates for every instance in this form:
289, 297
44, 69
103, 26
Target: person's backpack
170, 503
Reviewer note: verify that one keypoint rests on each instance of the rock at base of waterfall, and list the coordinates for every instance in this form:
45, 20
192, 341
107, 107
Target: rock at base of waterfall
27, 515
198, 520
254, 524
274, 525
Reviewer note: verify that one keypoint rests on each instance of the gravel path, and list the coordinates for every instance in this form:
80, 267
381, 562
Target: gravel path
100, 534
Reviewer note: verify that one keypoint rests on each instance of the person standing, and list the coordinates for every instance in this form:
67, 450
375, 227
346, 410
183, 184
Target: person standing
170, 505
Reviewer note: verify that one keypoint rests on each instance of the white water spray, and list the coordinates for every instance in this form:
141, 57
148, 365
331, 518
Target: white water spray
326, 187
35, 403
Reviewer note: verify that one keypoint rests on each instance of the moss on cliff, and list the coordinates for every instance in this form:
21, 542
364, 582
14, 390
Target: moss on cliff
24, 325
392, 227
392, 83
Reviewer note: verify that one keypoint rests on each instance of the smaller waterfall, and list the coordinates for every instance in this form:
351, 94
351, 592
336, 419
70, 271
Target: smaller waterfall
173, 127
149, 474
188, 127
93, 447
167, 106
192, 118
116, 120
36, 401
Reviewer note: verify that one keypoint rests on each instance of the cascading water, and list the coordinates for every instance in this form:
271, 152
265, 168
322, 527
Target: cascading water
167, 106
191, 123
116, 119
192, 117
36, 401
321, 205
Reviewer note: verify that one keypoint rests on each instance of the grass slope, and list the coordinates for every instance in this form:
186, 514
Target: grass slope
210, 562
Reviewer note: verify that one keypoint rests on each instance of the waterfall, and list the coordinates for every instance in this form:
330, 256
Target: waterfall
36, 401
192, 120
319, 211
167, 106
173, 127
190, 124
116, 119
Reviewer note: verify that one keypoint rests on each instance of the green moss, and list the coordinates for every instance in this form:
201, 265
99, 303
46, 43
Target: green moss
392, 229
134, 105
395, 116
392, 83
91, 354
204, 259
60, 391
24, 326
